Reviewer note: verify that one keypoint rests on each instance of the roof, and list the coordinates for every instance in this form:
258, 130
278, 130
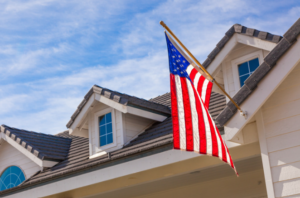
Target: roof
121, 98
45, 147
77, 158
237, 28
252, 82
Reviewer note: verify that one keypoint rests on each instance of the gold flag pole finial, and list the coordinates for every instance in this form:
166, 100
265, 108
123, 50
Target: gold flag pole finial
202, 68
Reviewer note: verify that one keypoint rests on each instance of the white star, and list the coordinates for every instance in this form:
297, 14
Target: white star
178, 68
173, 56
179, 56
181, 72
174, 63
177, 61
183, 61
181, 65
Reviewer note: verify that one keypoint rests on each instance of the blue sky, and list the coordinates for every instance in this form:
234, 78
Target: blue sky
53, 51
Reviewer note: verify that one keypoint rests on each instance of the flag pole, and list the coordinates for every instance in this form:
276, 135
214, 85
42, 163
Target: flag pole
203, 68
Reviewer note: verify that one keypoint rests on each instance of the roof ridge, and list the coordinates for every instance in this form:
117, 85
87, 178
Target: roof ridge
121, 98
240, 29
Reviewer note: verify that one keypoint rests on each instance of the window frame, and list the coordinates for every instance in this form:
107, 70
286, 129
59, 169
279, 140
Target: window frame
234, 64
1, 173
97, 137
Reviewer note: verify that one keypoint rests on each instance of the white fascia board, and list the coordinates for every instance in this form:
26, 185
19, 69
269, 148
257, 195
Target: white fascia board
112, 172
263, 91
255, 42
35, 159
111, 103
146, 114
82, 113
212, 68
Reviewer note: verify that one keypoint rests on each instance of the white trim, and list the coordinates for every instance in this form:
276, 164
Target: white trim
263, 91
82, 113
111, 103
100, 148
31, 156
120, 170
255, 42
222, 54
224, 70
235, 62
264, 154
146, 114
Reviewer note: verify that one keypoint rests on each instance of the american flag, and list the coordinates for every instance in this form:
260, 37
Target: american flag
193, 127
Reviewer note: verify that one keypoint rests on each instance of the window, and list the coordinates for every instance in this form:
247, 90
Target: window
105, 129
246, 69
11, 177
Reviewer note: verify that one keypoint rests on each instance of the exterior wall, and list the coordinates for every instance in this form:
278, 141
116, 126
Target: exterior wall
134, 125
126, 128
281, 118
228, 73
93, 131
10, 156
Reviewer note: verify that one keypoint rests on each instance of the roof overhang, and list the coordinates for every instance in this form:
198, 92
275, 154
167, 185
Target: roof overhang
261, 93
138, 111
230, 45
16, 143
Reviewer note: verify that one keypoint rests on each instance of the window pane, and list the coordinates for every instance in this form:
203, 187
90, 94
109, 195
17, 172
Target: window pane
108, 118
243, 68
103, 140
109, 138
243, 78
11, 177
102, 130
101, 120
253, 64
109, 128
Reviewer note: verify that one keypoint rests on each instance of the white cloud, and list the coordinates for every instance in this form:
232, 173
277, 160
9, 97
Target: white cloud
54, 32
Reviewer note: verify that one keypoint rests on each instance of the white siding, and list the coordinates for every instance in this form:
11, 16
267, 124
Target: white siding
281, 116
239, 51
134, 125
9, 156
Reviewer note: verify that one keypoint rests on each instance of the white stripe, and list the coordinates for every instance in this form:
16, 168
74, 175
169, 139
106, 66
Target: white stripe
189, 69
207, 128
194, 116
204, 88
182, 133
196, 80
220, 154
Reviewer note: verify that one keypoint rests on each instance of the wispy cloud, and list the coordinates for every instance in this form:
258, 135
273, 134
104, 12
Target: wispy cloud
53, 51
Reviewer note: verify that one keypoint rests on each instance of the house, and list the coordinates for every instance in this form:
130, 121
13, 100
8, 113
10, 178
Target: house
119, 145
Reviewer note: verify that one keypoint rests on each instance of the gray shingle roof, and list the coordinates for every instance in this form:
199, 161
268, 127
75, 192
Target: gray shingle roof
252, 82
45, 147
237, 28
122, 99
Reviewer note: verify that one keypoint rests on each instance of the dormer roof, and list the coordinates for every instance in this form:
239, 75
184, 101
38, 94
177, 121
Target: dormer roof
240, 29
252, 82
120, 98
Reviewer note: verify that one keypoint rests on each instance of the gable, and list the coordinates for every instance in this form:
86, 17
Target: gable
10, 156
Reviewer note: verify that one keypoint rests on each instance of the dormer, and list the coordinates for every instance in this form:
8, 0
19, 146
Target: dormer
111, 119
237, 56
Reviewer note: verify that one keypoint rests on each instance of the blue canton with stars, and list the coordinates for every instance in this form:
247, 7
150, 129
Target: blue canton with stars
177, 62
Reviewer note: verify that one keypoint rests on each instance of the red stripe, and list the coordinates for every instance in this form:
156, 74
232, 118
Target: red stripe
193, 74
200, 86
176, 141
201, 124
208, 94
187, 115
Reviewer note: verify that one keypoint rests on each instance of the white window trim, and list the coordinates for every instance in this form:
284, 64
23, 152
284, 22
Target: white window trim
97, 134
234, 64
